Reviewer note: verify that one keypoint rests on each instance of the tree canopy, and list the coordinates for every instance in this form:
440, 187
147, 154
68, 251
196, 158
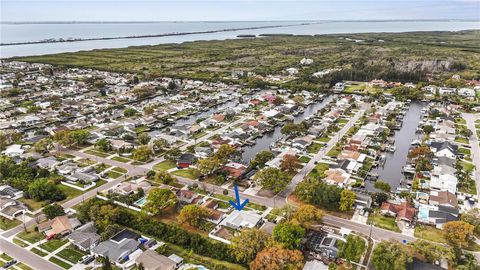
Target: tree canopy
158, 199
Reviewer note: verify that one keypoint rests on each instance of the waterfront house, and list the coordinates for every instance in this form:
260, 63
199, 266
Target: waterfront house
337, 177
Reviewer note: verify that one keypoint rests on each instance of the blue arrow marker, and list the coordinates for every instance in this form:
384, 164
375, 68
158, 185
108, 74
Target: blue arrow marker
239, 206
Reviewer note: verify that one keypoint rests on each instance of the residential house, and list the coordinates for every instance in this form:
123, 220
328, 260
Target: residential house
444, 198
118, 247
337, 177
61, 225
402, 212
7, 191
186, 196
242, 219
186, 160
85, 237
234, 170
444, 149
11, 208
151, 260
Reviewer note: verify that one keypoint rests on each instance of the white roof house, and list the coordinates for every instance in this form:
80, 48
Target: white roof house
242, 219
444, 182
14, 150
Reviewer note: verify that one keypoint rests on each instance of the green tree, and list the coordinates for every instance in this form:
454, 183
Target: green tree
433, 252
209, 166
43, 145
142, 153
352, 249
225, 152
383, 186
347, 200
278, 258
288, 234
164, 178
53, 210
248, 243
290, 163
43, 189
104, 144
159, 144
272, 179
391, 255
379, 197
143, 138
129, 112
192, 214
318, 193
173, 154
473, 217
307, 215
158, 199
458, 233
261, 158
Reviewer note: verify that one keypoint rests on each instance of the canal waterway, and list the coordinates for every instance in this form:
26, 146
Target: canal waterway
263, 143
391, 171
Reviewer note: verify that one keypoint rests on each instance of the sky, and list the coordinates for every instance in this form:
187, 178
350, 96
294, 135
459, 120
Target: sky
235, 10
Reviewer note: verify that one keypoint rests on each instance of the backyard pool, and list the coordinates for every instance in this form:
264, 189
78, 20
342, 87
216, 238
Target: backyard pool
141, 202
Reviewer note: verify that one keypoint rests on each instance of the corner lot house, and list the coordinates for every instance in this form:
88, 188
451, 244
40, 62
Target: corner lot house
11, 208
61, 225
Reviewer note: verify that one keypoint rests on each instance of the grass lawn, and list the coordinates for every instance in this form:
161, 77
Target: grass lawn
38, 252
384, 222
113, 174
187, 173
319, 170
32, 204
53, 244
31, 236
70, 192
97, 153
6, 257
23, 266
342, 121
198, 259
324, 139
460, 121
314, 148
101, 167
461, 140
304, 159
465, 151
71, 254
199, 135
7, 224
120, 170
19, 242
335, 151
60, 263
467, 166
121, 159
165, 165
430, 233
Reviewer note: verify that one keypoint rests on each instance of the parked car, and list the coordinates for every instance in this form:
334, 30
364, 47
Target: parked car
86, 259
9, 264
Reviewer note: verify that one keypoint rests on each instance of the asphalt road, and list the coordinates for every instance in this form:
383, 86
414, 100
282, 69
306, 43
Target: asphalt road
321, 154
475, 148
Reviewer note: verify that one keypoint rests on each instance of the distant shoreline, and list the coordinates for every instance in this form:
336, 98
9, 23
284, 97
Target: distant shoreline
254, 21
61, 40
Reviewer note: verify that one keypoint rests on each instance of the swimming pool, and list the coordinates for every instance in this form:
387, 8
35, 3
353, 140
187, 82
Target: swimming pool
141, 202
423, 213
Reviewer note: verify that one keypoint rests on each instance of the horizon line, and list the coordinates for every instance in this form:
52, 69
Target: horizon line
230, 21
